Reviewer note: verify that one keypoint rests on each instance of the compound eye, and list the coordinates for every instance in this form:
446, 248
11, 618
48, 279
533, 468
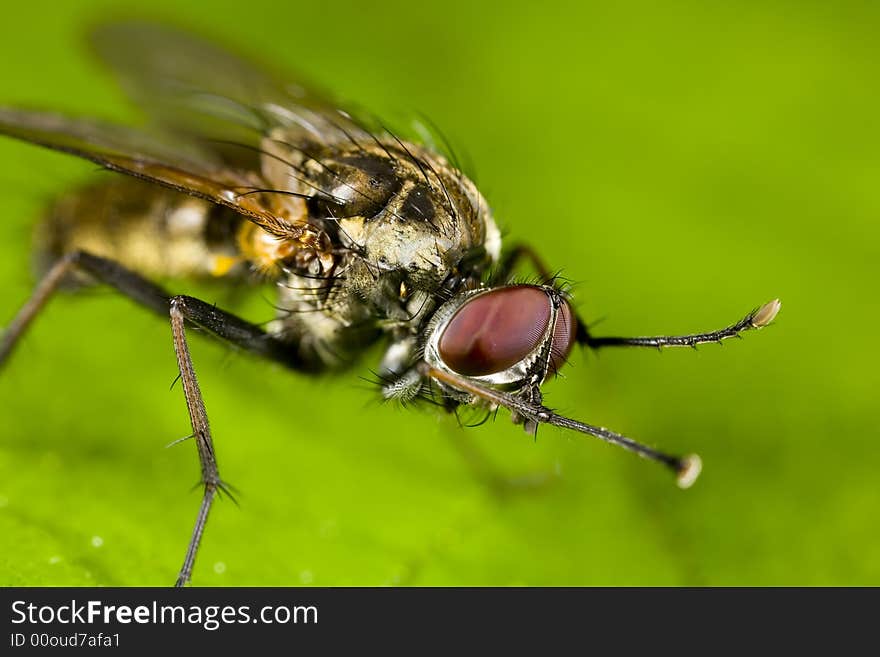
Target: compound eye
495, 330
564, 334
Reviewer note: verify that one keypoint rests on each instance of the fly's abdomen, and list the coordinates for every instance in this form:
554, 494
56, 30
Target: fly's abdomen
156, 232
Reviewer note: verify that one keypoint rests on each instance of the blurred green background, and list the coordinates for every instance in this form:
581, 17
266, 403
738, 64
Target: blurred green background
681, 164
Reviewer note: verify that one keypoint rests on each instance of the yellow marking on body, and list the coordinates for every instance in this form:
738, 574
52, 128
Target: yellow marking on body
223, 264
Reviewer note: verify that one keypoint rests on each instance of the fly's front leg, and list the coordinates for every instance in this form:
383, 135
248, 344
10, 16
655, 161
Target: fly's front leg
758, 318
686, 468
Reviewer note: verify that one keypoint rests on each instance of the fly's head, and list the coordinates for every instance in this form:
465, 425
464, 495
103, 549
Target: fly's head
508, 338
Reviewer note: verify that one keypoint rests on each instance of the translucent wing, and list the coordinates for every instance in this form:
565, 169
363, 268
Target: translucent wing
193, 86
175, 165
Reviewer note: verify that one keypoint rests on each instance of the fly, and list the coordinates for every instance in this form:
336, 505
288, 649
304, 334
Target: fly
368, 238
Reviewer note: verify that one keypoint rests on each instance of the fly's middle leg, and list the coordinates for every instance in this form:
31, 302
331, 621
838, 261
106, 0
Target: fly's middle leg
181, 310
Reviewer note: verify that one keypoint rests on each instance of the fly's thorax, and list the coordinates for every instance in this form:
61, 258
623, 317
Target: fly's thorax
397, 206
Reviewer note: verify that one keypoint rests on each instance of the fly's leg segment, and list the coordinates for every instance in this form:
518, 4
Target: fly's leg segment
758, 318
184, 308
142, 291
181, 309
130, 284
686, 468
511, 260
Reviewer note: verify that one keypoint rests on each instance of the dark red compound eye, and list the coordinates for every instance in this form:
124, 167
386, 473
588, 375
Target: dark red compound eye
496, 330
564, 335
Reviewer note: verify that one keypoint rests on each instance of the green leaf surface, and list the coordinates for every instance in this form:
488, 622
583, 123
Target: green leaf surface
680, 164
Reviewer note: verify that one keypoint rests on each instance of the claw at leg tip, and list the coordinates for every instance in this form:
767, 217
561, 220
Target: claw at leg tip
766, 313
689, 470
